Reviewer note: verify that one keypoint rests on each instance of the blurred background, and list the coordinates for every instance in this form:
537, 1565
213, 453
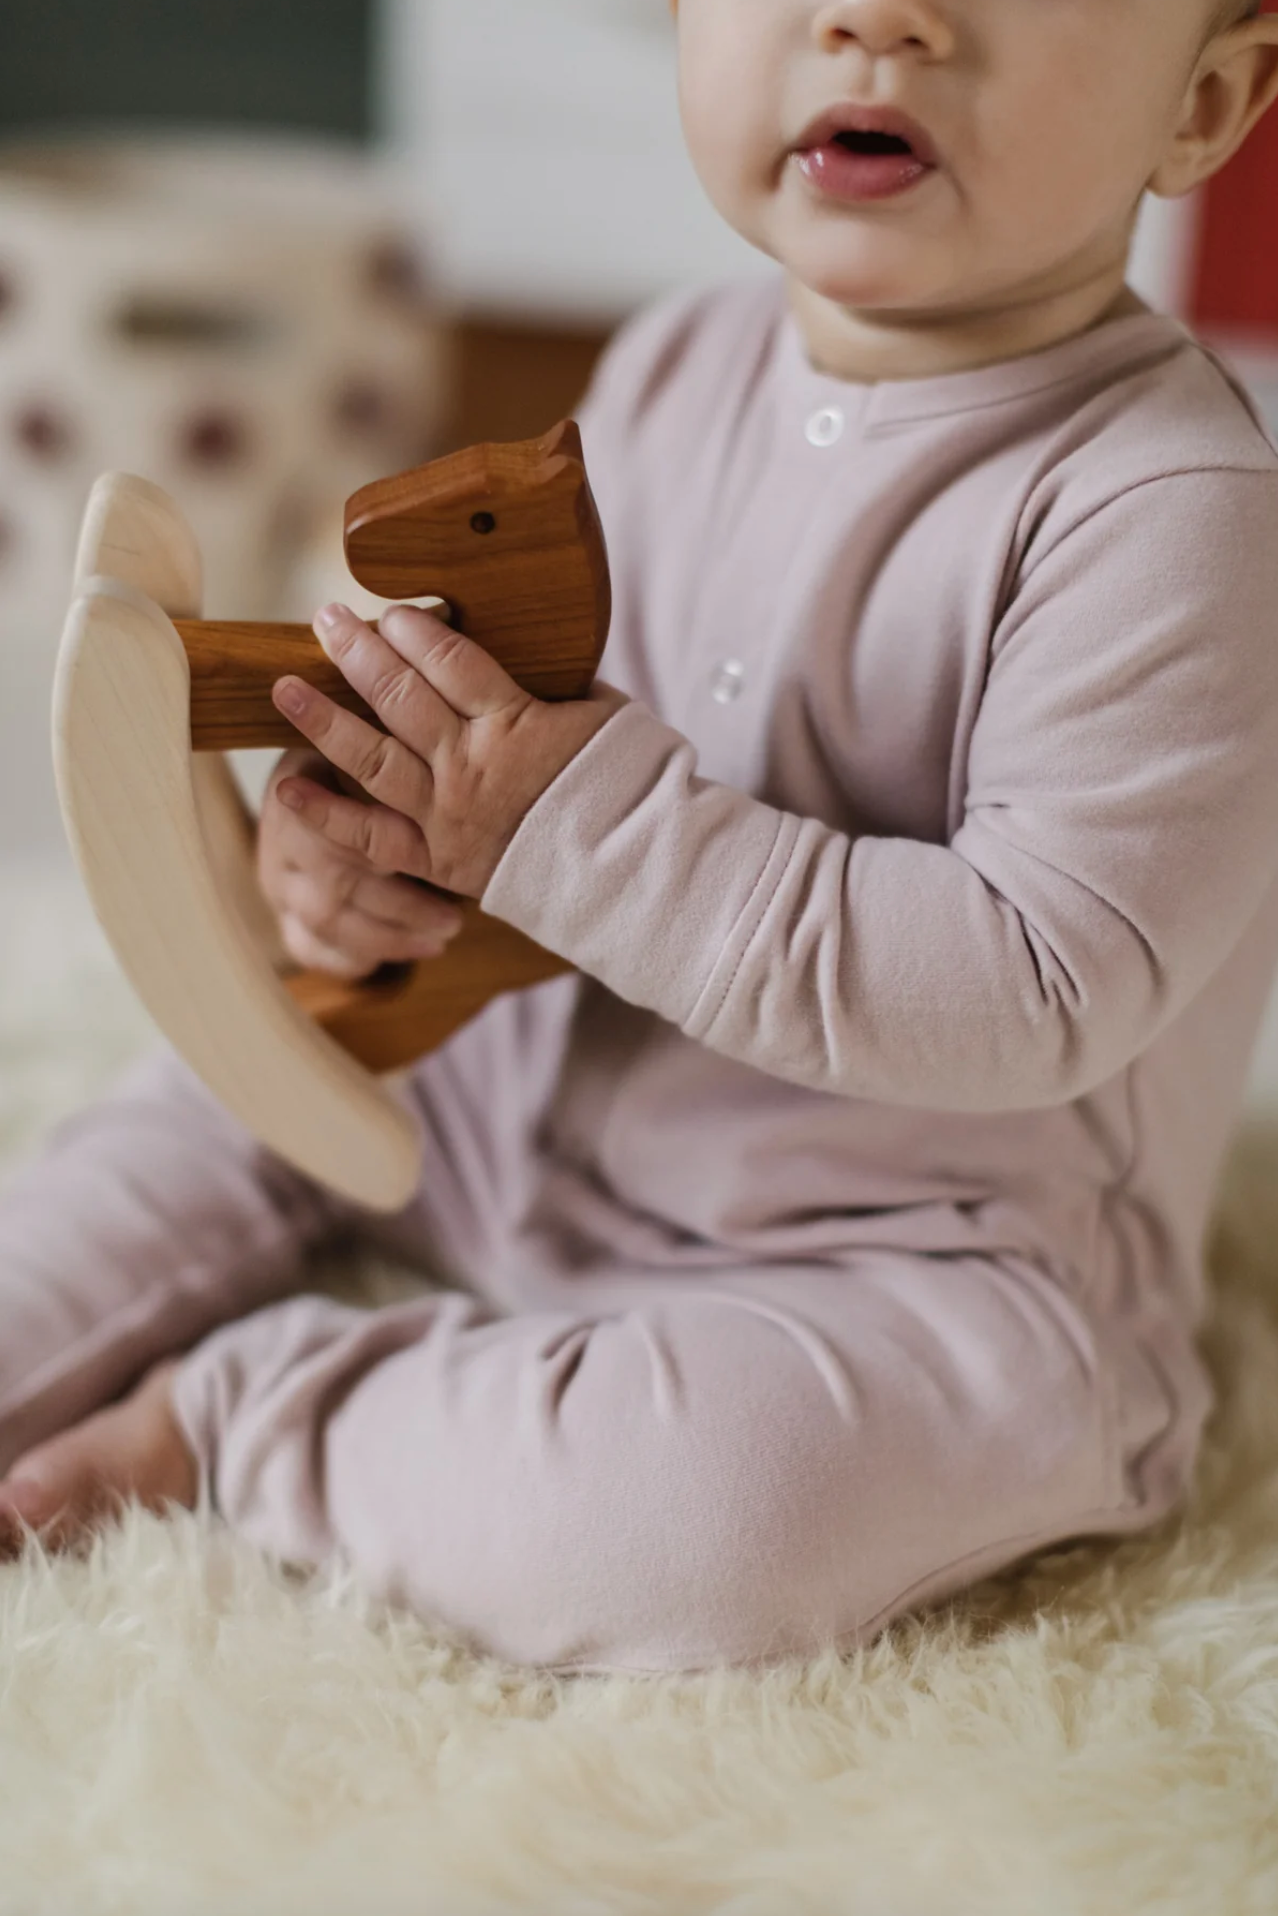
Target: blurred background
262, 262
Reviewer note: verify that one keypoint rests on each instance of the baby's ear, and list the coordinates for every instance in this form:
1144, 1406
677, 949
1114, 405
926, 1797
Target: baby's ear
1234, 85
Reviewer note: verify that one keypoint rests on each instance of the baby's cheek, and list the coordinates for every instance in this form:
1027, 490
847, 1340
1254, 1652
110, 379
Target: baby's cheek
733, 121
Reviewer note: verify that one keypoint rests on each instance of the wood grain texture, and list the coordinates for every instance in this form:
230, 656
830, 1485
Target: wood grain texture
229, 829
532, 587
135, 533
510, 537
234, 664
123, 761
233, 668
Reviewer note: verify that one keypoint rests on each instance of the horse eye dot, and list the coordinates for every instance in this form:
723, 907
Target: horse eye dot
483, 522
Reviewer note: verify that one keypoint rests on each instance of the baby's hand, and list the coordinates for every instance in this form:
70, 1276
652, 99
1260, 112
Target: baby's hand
337, 910
465, 755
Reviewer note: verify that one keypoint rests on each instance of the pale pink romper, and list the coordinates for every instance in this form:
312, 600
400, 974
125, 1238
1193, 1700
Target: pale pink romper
841, 1241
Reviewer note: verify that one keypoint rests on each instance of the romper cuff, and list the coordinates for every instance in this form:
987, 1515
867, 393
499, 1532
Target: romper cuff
642, 874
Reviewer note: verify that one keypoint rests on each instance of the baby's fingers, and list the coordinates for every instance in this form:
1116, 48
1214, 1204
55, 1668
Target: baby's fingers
384, 839
315, 954
353, 945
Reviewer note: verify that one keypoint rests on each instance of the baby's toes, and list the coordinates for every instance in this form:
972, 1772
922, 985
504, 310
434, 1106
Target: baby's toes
56, 1491
87, 1475
20, 1505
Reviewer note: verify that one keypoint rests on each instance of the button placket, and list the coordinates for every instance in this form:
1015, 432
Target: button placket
730, 712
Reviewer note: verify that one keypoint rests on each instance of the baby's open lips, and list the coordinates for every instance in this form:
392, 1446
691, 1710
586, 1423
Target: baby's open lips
873, 143
871, 133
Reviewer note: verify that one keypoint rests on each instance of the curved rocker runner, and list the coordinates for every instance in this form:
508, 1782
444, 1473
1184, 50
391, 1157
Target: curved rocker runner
148, 696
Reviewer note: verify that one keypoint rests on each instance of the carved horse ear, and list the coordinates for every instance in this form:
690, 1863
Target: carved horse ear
122, 753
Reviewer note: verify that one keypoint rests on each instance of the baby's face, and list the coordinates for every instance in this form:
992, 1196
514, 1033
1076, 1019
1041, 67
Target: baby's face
1012, 143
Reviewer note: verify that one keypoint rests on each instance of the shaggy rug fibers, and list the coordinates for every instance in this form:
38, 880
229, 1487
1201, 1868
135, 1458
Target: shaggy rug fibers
185, 1730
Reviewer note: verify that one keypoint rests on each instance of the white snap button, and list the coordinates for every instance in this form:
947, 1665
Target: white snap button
727, 682
825, 428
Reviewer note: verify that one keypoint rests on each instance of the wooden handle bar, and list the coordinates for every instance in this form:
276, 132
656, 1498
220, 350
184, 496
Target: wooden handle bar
234, 666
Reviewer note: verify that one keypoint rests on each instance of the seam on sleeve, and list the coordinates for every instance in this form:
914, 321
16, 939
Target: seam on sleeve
718, 986
1246, 404
1112, 499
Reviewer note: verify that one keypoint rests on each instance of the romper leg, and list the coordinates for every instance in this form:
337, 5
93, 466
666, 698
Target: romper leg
149, 1218
152, 1217
669, 1473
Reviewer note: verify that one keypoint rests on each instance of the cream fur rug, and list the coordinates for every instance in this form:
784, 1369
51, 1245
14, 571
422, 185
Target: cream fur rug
183, 1731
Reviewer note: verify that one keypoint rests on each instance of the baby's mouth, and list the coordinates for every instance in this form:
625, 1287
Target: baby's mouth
874, 145
857, 154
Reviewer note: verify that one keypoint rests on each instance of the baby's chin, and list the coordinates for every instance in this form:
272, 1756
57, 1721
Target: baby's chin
875, 273
870, 271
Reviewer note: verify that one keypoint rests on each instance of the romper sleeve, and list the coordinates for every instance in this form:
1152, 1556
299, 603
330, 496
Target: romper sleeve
1120, 833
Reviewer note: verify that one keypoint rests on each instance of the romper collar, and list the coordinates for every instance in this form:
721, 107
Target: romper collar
1118, 345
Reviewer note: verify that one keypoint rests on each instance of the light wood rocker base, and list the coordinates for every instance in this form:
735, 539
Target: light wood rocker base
166, 849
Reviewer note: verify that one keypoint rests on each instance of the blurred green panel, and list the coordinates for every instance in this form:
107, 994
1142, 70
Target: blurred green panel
283, 63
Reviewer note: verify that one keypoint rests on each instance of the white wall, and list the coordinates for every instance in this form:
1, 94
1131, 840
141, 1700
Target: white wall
546, 139
1162, 260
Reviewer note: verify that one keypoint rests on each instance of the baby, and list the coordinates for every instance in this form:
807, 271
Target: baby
834, 1240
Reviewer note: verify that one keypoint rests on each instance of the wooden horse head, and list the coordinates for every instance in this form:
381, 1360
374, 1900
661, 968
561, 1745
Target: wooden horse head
146, 698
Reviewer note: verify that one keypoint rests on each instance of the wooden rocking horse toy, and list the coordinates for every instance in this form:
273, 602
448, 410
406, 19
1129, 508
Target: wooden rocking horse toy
146, 699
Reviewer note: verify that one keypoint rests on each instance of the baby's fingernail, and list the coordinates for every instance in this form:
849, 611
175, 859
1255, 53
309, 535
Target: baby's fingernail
290, 795
397, 617
290, 696
330, 617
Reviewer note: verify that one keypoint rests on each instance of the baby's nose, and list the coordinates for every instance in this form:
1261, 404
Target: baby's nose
885, 26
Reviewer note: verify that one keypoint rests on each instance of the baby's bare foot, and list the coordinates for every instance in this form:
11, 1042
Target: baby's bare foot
82, 1478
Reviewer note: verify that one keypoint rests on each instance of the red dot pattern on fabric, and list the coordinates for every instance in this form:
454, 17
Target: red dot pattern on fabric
43, 432
362, 407
393, 272
215, 440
